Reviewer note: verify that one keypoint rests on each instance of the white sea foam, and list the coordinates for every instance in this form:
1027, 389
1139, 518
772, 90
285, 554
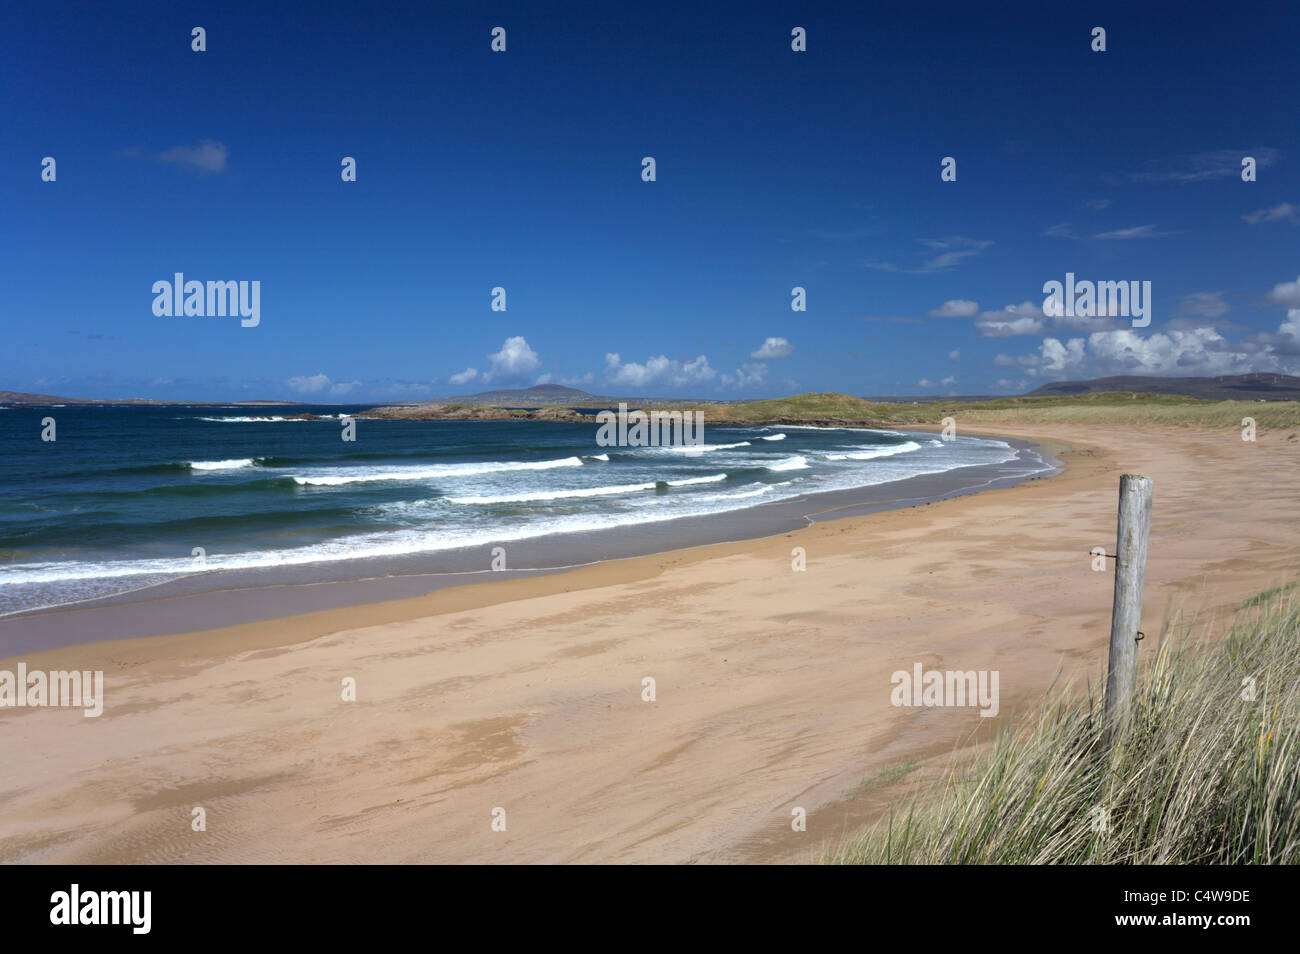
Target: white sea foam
222, 464
698, 448
871, 453
774, 437
790, 463
555, 494
433, 473
711, 479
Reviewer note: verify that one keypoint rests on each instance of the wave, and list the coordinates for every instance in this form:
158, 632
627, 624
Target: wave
556, 494
774, 437
711, 479
434, 473
599, 457
790, 463
234, 464
582, 492
871, 453
698, 448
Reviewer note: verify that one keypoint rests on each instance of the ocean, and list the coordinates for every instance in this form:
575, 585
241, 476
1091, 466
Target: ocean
128, 497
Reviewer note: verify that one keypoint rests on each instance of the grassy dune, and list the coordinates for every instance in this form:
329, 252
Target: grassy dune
1203, 776
1110, 407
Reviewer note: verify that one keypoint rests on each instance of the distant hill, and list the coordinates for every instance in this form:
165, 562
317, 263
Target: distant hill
1229, 387
45, 400
537, 394
21, 397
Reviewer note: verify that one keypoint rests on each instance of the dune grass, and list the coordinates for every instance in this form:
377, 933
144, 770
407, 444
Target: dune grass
1208, 771
1110, 407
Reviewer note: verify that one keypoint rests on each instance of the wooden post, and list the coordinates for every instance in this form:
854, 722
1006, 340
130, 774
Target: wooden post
1126, 615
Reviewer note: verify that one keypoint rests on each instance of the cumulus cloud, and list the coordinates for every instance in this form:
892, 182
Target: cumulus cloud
464, 377
1023, 319
1286, 294
1286, 212
771, 349
746, 376
659, 370
955, 308
954, 355
1027, 318
514, 362
321, 384
1175, 352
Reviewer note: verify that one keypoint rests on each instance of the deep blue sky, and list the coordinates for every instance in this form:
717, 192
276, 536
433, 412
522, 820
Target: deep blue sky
522, 169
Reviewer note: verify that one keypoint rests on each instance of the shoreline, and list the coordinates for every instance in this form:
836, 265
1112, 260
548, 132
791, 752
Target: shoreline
235, 597
773, 686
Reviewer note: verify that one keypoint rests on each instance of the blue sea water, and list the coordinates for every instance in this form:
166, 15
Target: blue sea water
124, 496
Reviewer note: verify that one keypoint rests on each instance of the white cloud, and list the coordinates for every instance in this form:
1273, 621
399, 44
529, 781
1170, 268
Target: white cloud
660, 370
1137, 232
1220, 163
513, 362
1287, 293
746, 376
321, 384
771, 349
955, 308
463, 377
207, 156
1023, 319
953, 251
1286, 212
1176, 352
954, 355
1203, 305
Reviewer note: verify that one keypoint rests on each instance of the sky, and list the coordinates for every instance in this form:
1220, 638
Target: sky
522, 169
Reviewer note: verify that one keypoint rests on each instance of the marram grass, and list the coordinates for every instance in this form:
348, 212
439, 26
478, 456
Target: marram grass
1207, 773
1104, 408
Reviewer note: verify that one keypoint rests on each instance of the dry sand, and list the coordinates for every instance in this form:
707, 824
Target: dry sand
772, 686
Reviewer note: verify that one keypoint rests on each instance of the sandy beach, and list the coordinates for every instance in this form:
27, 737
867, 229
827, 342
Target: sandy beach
772, 686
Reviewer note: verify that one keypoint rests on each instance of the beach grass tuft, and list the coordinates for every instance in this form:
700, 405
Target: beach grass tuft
1106, 407
1208, 771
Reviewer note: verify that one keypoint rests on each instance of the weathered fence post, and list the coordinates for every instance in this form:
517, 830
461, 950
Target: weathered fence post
1126, 615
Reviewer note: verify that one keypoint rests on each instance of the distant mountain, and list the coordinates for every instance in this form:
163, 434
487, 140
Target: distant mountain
1228, 387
